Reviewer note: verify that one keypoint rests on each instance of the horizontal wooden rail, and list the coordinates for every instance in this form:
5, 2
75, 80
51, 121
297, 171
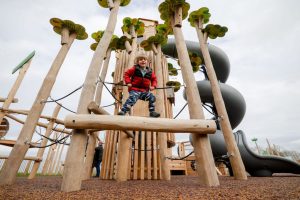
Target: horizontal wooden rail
25, 112
26, 158
15, 100
39, 124
11, 143
114, 122
94, 108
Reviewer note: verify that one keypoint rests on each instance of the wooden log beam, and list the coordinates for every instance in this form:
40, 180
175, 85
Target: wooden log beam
106, 122
94, 108
39, 124
11, 143
14, 100
25, 158
25, 112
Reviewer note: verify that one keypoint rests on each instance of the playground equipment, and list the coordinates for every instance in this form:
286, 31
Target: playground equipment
256, 165
126, 157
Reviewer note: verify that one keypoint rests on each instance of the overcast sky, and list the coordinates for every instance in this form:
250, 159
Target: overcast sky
261, 44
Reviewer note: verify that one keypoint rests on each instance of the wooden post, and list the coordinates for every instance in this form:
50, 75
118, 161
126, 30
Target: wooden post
204, 158
14, 89
125, 142
233, 151
12, 164
89, 156
27, 167
162, 138
55, 159
74, 160
41, 151
47, 161
98, 96
59, 160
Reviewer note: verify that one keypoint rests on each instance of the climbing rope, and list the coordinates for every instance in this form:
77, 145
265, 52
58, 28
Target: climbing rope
62, 106
180, 158
56, 142
180, 111
55, 100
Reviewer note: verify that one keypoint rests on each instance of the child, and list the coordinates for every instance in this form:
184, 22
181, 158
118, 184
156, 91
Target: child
140, 80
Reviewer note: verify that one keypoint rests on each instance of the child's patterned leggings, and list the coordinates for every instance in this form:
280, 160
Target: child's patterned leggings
136, 95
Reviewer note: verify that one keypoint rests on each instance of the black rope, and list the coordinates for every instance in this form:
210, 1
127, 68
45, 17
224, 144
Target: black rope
50, 139
86, 145
63, 106
64, 96
114, 103
204, 106
180, 111
57, 141
120, 84
182, 158
109, 91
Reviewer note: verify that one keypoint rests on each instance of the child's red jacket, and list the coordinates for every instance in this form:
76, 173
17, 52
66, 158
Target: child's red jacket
139, 81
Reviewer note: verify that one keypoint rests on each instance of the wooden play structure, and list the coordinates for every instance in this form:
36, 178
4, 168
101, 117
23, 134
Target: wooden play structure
136, 146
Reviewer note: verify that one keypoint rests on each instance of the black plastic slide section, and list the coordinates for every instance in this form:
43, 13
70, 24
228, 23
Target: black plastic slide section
256, 165
218, 56
234, 102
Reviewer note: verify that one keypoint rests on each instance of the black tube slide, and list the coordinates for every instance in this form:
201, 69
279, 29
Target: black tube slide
256, 165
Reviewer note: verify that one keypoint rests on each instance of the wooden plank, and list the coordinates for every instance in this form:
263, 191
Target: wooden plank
149, 154
142, 152
106, 122
155, 161
136, 155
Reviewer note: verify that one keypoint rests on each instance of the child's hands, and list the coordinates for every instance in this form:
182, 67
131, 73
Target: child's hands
152, 88
129, 85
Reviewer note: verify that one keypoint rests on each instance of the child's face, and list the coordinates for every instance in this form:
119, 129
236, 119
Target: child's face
142, 62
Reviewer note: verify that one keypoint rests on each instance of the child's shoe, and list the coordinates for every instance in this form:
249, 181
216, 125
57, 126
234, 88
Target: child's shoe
154, 114
121, 113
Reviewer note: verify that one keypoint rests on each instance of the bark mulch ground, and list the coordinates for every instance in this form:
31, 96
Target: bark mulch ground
180, 187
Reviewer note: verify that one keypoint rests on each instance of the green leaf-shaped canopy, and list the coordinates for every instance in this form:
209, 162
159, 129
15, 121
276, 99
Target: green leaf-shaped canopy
104, 4
139, 26
59, 24
164, 29
214, 30
175, 84
172, 71
201, 14
196, 61
168, 7
115, 42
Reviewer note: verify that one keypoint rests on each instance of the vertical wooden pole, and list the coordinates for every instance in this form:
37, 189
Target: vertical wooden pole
47, 161
75, 156
27, 167
14, 89
90, 151
41, 151
204, 157
233, 151
12, 164
124, 143
59, 160
162, 138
